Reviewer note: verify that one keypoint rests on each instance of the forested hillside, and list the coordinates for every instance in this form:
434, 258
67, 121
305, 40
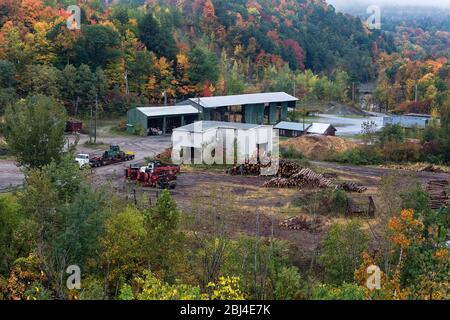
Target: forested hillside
131, 51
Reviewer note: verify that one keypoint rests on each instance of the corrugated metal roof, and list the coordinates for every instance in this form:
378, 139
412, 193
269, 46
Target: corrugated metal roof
202, 126
318, 128
243, 99
296, 126
168, 111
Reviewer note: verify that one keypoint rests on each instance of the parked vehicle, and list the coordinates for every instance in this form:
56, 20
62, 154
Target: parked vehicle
73, 126
155, 174
111, 156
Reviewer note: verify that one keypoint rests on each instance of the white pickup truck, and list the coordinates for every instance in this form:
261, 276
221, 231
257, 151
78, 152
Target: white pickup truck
83, 161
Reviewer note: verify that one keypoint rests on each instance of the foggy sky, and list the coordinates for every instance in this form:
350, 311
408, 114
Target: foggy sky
439, 3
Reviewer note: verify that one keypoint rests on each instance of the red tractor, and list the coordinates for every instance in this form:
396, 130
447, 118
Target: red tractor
154, 175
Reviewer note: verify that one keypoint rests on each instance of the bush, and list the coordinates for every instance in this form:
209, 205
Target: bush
391, 133
367, 155
341, 251
401, 152
346, 291
4, 150
326, 202
291, 153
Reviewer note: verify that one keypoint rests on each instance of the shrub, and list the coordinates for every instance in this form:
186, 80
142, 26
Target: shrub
326, 202
341, 251
4, 150
401, 152
291, 153
367, 155
391, 133
346, 291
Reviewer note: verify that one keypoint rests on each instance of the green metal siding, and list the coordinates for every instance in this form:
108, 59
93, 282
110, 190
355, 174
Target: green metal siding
284, 111
206, 115
136, 119
273, 113
254, 113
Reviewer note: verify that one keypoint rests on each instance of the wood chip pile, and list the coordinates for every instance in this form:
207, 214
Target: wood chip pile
301, 223
439, 194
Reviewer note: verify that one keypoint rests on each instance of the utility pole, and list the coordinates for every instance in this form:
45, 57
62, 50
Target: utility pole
127, 91
353, 92
96, 115
415, 94
90, 126
165, 97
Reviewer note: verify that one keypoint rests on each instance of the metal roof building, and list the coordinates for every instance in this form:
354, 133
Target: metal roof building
160, 119
325, 129
295, 129
408, 120
243, 99
292, 129
202, 126
258, 108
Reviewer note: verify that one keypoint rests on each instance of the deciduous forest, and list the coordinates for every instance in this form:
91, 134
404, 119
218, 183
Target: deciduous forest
135, 52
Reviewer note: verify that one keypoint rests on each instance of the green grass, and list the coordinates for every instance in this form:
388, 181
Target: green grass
116, 131
98, 145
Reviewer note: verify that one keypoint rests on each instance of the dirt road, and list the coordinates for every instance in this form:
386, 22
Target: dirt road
376, 173
11, 176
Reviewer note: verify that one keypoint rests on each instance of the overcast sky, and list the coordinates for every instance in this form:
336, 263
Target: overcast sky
441, 3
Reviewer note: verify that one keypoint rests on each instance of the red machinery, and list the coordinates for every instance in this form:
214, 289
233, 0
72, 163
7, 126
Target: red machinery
154, 175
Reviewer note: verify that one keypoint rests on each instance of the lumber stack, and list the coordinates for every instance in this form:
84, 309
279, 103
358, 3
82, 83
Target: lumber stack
246, 169
288, 168
352, 187
301, 223
308, 177
303, 178
438, 191
285, 170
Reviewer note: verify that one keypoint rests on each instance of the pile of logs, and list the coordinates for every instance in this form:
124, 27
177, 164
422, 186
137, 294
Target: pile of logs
247, 169
301, 223
286, 169
439, 193
352, 187
303, 178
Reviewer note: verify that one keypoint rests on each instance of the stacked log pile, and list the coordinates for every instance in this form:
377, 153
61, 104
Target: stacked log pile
303, 178
301, 223
247, 169
352, 187
291, 175
439, 194
286, 169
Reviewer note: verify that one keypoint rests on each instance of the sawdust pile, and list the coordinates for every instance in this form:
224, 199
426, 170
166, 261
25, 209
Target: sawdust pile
318, 147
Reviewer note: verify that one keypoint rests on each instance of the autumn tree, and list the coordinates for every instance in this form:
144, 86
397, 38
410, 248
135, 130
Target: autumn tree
157, 37
341, 251
164, 242
97, 46
204, 66
35, 130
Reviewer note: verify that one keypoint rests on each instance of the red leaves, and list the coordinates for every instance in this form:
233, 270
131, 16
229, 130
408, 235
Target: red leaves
298, 51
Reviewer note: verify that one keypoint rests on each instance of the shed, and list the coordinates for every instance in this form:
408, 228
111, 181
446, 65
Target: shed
324, 129
229, 142
411, 120
258, 108
160, 120
291, 129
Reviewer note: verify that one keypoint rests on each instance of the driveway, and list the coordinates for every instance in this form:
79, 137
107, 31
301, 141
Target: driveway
11, 176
